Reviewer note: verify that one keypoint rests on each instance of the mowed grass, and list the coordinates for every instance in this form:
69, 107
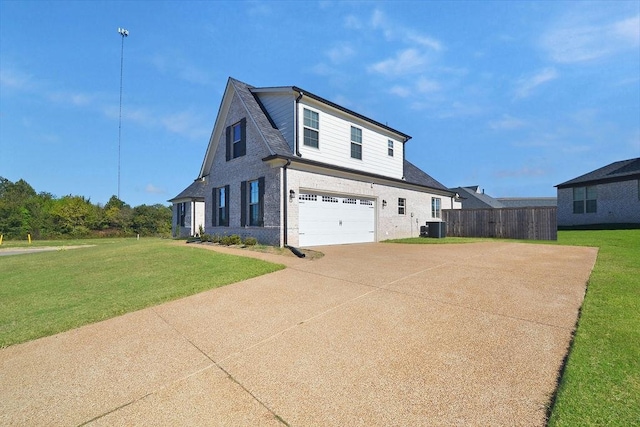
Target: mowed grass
600, 385
45, 293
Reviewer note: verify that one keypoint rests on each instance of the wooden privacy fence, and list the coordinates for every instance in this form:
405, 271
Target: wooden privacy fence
534, 223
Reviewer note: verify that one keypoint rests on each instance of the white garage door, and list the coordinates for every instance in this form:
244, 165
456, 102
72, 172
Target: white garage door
334, 220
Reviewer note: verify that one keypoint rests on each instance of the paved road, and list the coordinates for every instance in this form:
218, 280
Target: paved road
368, 335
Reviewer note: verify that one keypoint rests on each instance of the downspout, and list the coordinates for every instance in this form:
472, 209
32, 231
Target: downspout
285, 200
297, 130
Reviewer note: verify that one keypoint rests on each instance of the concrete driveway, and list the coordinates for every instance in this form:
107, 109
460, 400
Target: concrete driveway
368, 335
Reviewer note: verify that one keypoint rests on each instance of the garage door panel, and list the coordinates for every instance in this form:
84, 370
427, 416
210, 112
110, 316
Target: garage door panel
329, 220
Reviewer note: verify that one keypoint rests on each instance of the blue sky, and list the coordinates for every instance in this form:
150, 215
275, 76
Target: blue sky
513, 96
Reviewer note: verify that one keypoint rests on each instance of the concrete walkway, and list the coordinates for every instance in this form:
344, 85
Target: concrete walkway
368, 335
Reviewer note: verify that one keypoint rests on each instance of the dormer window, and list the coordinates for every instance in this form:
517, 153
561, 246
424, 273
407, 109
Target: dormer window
356, 143
311, 128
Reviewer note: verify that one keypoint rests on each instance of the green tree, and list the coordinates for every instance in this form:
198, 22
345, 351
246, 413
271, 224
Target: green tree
18, 208
152, 220
74, 216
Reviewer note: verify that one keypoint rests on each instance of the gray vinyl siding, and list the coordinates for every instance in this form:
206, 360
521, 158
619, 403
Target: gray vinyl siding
335, 143
281, 109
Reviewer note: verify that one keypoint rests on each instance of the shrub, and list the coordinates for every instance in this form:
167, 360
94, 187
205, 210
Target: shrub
205, 237
234, 239
250, 241
215, 238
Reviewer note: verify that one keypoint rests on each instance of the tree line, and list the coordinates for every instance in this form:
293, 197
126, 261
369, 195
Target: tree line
44, 216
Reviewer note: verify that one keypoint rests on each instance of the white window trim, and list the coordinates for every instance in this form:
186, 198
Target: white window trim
311, 128
354, 142
402, 206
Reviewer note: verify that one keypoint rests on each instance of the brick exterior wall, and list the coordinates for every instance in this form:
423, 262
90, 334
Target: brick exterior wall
245, 168
618, 203
389, 224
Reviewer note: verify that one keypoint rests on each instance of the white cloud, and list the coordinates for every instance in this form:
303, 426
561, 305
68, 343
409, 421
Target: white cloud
175, 64
340, 53
12, 79
581, 39
150, 188
393, 30
405, 62
353, 22
425, 85
506, 122
401, 91
526, 85
78, 99
185, 123
424, 41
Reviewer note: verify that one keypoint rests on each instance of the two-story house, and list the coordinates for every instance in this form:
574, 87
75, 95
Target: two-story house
291, 168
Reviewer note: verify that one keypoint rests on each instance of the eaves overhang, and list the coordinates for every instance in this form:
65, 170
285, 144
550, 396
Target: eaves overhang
352, 113
606, 180
279, 160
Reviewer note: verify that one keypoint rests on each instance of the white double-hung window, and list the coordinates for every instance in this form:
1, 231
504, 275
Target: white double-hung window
311, 124
356, 143
435, 207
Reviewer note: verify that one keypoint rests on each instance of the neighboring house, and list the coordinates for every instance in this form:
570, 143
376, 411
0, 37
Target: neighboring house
290, 168
609, 195
473, 198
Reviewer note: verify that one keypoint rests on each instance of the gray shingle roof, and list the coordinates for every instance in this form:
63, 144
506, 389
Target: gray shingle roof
527, 202
415, 175
196, 191
275, 141
475, 200
617, 171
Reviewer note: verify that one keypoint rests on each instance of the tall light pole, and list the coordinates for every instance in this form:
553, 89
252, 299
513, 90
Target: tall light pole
124, 33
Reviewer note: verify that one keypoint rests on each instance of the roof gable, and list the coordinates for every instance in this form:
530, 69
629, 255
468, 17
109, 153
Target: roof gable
256, 114
617, 171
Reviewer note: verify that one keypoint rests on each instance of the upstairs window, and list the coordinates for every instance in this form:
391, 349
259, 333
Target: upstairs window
311, 128
435, 207
236, 138
236, 132
402, 204
585, 200
390, 148
356, 143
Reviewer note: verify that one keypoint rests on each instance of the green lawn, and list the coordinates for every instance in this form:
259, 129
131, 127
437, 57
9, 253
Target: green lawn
49, 292
601, 382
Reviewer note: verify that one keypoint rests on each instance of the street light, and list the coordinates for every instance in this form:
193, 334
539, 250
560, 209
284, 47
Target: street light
124, 33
